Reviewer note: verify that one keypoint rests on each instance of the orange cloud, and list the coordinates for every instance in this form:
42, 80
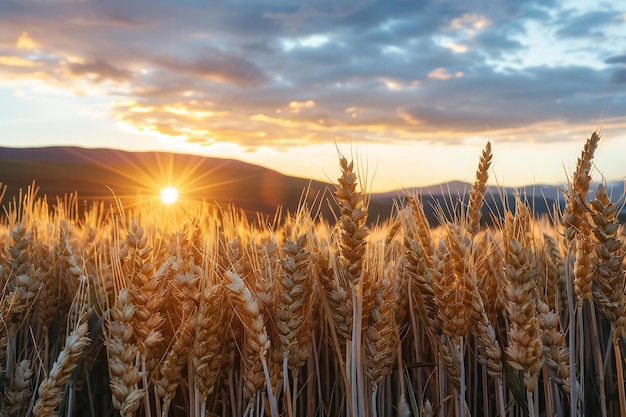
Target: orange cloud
297, 106
16, 61
470, 23
26, 42
443, 74
457, 47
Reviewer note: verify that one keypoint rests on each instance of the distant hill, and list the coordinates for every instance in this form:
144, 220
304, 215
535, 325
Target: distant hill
99, 174
543, 199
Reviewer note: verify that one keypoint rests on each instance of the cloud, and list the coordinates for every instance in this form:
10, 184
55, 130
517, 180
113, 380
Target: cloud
617, 59
26, 42
443, 74
618, 76
217, 66
283, 73
99, 70
586, 25
16, 61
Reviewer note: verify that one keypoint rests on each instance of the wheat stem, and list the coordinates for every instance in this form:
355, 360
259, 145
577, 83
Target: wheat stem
597, 354
572, 336
619, 368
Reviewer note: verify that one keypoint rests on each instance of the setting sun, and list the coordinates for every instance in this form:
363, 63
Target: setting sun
169, 195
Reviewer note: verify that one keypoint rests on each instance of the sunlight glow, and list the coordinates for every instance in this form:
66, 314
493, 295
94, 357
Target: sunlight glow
169, 195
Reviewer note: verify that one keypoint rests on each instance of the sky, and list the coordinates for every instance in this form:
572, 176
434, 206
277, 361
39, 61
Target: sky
412, 89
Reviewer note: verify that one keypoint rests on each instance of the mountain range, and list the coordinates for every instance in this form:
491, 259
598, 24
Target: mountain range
137, 177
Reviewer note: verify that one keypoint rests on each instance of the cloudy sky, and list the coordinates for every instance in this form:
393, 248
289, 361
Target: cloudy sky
413, 88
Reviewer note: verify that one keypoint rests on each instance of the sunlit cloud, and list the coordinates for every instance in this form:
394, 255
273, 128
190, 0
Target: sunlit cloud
443, 74
470, 23
297, 106
456, 47
16, 61
26, 42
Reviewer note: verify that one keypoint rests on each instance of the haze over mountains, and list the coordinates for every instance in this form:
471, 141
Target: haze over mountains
99, 174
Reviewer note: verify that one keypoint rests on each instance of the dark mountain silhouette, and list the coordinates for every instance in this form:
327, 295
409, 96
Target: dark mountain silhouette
137, 177
133, 177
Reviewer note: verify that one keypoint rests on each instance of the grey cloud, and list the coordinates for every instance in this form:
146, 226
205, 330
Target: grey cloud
618, 59
496, 42
619, 76
587, 25
102, 70
219, 66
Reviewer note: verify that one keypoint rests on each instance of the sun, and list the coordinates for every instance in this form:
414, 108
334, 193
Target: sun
169, 195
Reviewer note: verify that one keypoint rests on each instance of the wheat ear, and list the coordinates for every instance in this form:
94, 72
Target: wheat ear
294, 299
257, 342
555, 272
379, 340
421, 229
339, 300
479, 188
22, 283
123, 355
555, 351
609, 269
611, 275
49, 391
379, 336
421, 282
489, 261
208, 341
450, 295
524, 351
574, 214
18, 394
353, 215
489, 352
175, 359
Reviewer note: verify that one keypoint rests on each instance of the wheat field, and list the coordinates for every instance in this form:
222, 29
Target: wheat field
208, 312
